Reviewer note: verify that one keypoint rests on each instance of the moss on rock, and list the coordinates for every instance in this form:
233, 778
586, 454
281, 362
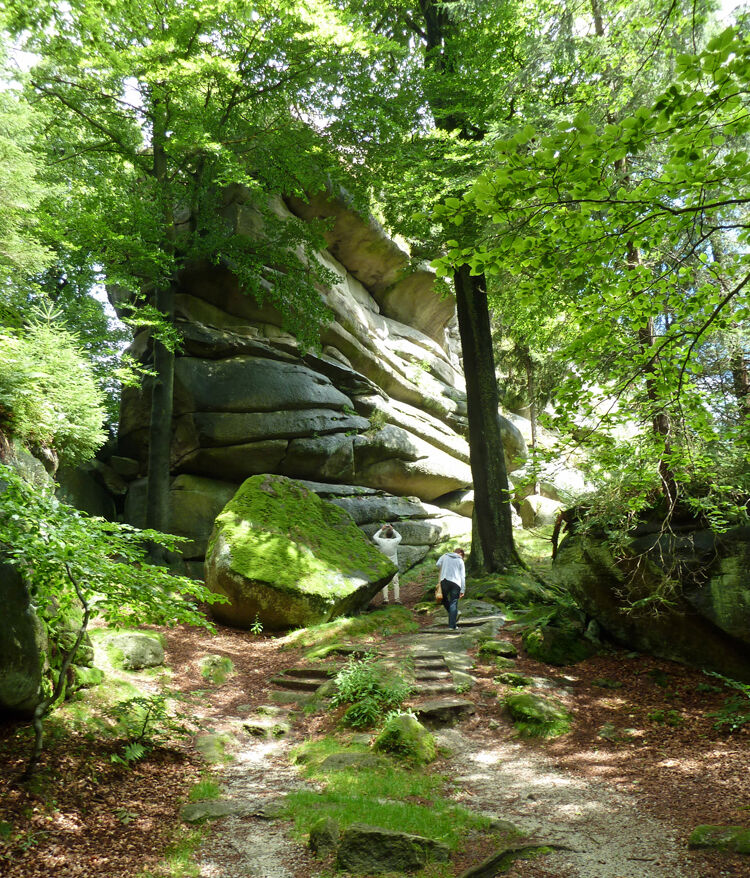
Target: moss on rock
564, 645
282, 554
404, 736
724, 838
536, 716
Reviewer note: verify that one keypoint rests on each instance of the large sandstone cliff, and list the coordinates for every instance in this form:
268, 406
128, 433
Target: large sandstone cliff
375, 420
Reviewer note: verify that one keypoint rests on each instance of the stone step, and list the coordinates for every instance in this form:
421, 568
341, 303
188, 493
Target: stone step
436, 688
441, 674
443, 711
297, 684
312, 673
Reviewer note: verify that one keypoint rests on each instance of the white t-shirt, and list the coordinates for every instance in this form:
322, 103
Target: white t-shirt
452, 568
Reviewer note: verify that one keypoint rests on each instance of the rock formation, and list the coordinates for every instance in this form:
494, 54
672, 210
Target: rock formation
702, 576
375, 419
285, 558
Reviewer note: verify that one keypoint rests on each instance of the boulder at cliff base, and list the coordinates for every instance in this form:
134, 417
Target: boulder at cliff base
285, 558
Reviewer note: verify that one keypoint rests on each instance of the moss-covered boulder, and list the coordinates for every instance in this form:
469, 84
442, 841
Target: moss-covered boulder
724, 838
706, 621
134, 650
404, 736
537, 716
324, 836
370, 850
497, 647
560, 645
287, 558
23, 646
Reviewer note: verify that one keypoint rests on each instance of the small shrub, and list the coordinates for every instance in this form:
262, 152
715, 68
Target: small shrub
146, 723
735, 711
370, 688
216, 668
667, 717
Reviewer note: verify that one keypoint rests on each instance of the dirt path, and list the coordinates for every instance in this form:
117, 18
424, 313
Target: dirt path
601, 819
604, 834
602, 831
622, 808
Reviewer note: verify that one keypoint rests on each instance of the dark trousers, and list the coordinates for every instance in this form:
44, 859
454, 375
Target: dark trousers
451, 592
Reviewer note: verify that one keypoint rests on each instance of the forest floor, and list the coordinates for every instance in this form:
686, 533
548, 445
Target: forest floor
85, 815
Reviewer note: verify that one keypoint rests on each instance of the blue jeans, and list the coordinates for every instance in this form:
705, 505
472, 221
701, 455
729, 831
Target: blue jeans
451, 592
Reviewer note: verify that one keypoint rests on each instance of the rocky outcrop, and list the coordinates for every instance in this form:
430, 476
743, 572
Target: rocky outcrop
705, 617
284, 558
23, 646
381, 406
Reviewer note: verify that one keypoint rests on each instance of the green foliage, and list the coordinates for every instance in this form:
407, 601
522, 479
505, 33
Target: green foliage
22, 253
168, 154
610, 220
145, 722
48, 394
371, 688
735, 712
204, 789
69, 556
76, 564
257, 626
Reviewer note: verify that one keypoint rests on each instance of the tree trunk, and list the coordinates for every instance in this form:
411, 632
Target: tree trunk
491, 495
531, 390
160, 426
492, 522
741, 384
737, 361
660, 421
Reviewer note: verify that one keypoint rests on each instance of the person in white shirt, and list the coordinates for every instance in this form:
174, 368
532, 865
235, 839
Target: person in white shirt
452, 579
387, 540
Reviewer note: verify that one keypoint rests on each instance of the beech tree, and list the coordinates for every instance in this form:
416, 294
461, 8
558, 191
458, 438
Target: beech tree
617, 219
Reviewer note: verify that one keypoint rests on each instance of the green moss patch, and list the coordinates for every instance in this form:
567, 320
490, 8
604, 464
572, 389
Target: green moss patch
724, 838
280, 532
326, 638
383, 795
405, 737
557, 645
216, 669
536, 716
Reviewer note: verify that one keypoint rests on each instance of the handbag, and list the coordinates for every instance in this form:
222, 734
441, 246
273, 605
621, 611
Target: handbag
438, 593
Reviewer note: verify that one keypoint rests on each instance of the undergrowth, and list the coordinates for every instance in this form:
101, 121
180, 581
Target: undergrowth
371, 688
735, 712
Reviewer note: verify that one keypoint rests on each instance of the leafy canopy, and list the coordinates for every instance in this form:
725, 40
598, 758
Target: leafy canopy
48, 393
